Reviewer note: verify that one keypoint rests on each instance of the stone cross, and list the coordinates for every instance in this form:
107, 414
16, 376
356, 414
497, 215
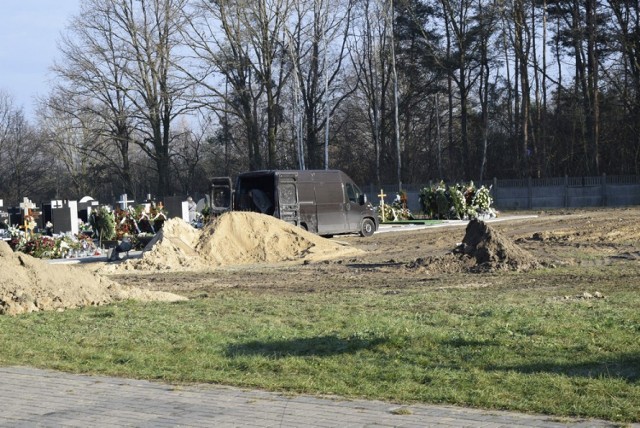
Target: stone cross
124, 203
26, 205
27, 217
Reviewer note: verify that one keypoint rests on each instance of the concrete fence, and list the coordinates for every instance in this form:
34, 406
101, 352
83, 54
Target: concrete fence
537, 193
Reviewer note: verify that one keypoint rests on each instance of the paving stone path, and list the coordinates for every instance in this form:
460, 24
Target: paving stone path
32, 397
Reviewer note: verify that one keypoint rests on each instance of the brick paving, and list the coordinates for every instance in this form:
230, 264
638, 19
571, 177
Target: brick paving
44, 398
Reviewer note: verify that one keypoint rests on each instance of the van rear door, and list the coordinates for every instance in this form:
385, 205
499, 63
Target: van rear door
288, 207
330, 202
353, 208
220, 195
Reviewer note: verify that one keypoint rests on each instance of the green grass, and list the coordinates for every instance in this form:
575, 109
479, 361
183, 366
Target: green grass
518, 345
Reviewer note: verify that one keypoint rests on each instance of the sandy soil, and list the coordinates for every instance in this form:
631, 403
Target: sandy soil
28, 285
240, 238
428, 257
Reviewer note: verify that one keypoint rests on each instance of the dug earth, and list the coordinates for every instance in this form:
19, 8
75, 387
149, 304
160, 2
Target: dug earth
267, 256
260, 253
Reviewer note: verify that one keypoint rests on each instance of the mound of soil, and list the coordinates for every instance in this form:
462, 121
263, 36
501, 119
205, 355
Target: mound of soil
482, 249
492, 251
28, 284
173, 248
241, 237
234, 238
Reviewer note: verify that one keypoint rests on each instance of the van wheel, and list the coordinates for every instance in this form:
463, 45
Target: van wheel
368, 227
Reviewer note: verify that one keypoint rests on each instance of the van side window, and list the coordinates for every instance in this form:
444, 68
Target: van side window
352, 194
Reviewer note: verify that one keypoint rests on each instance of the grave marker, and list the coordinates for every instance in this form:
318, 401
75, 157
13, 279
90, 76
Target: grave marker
29, 215
85, 206
124, 202
64, 216
177, 206
4, 222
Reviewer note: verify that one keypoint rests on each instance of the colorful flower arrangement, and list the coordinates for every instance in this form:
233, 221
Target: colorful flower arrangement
49, 247
140, 224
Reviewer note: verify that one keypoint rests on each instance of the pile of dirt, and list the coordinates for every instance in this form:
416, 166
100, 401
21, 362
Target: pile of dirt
28, 284
238, 238
173, 248
482, 249
234, 238
492, 251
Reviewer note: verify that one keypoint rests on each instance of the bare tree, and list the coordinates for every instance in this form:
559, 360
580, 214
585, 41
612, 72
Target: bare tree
150, 31
70, 140
25, 168
240, 67
92, 89
318, 49
124, 59
369, 55
190, 155
462, 31
488, 22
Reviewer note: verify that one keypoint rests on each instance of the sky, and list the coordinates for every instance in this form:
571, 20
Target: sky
29, 31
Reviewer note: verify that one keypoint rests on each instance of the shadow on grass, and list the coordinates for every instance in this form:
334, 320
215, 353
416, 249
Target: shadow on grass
625, 367
304, 347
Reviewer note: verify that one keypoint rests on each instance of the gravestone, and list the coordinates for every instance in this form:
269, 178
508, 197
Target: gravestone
64, 216
45, 216
15, 216
4, 215
45, 223
4, 222
85, 206
177, 206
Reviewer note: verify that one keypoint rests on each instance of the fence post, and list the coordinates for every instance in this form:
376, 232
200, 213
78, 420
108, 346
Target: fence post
604, 189
530, 193
566, 191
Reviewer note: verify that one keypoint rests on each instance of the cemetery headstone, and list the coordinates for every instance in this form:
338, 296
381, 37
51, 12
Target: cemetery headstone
4, 222
64, 216
4, 215
85, 206
45, 216
177, 206
15, 216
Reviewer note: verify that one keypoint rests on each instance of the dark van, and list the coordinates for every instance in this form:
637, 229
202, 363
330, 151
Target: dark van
326, 202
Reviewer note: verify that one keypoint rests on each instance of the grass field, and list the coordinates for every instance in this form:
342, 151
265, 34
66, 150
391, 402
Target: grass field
523, 343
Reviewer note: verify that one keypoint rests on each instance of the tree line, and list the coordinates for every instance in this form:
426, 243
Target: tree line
157, 96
